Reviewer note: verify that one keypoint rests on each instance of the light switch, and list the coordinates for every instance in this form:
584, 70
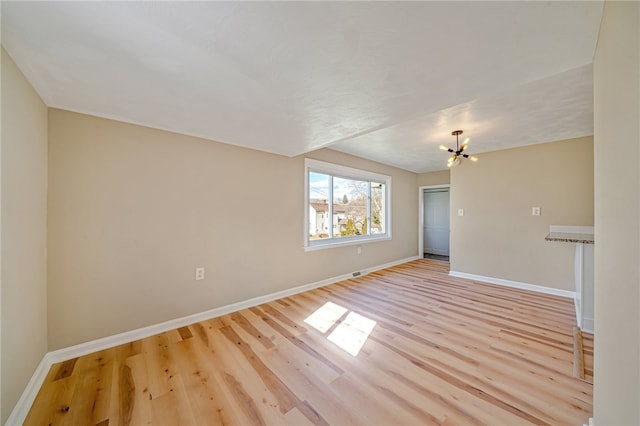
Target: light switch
460, 212
535, 211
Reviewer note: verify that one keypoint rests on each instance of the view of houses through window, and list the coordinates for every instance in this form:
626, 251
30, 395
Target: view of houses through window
342, 207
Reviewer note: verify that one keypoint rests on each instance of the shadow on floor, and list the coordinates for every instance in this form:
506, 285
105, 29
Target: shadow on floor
436, 257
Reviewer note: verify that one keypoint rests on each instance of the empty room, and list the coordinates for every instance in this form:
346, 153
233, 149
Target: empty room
320, 213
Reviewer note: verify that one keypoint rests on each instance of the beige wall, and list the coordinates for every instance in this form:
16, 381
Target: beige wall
497, 236
132, 212
617, 216
24, 202
434, 178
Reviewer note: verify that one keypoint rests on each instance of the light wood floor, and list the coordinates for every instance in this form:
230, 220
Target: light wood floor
443, 351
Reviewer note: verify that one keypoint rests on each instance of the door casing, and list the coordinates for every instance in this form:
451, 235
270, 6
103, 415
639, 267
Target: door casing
421, 214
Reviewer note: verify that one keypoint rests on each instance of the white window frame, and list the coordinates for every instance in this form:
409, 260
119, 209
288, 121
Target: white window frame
336, 170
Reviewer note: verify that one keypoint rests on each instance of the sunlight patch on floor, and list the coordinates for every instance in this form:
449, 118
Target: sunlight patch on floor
350, 335
324, 318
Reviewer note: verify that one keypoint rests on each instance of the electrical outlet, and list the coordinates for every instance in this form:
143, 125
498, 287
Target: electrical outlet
199, 273
359, 250
460, 212
535, 211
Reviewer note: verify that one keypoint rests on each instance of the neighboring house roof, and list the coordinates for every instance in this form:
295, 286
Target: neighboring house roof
323, 207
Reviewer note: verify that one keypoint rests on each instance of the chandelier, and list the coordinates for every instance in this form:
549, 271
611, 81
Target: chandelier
454, 160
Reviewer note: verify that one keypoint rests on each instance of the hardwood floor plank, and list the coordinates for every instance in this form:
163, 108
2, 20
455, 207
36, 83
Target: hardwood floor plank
249, 328
173, 408
296, 340
434, 350
127, 400
142, 410
185, 333
473, 386
90, 400
310, 384
227, 359
53, 403
157, 356
286, 399
66, 369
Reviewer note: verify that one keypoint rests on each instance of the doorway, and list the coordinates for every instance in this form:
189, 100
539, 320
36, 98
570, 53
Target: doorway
435, 222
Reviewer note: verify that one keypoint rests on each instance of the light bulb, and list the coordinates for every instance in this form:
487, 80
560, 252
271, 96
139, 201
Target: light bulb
474, 159
444, 148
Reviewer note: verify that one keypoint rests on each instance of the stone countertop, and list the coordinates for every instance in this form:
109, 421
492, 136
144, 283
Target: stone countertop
570, 237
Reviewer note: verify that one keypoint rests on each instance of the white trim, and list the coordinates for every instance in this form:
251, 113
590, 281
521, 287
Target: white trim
421, 214
571, 229
346, 241
342, 171
577, 276
588, 325
336, 170
443, 185
516, 284
305, 202
30, 392
584, 323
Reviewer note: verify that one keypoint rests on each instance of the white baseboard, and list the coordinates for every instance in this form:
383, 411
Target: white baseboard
588, 325
29, 394
515, 284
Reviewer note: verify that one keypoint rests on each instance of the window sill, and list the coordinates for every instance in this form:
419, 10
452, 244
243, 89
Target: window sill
346, 242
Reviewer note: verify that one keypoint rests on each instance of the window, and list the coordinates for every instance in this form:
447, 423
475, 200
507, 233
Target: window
344, 205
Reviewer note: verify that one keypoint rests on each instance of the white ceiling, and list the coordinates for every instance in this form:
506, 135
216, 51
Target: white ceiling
387, 81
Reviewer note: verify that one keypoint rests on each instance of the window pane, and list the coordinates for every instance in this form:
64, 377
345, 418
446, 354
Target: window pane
350, 207
377, 208
344, 205
319, 221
